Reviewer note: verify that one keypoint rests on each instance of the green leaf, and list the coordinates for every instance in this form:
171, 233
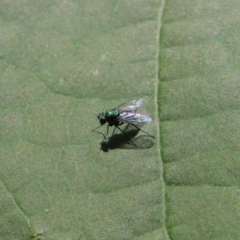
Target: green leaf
200, 118
62, 63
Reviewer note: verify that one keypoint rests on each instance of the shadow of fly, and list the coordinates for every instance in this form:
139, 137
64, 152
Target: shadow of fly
124, 113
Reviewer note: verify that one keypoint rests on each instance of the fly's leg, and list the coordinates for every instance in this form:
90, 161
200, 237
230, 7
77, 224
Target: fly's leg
94, 130
107, 131
142, 130
114, 130
126, 136
105, 136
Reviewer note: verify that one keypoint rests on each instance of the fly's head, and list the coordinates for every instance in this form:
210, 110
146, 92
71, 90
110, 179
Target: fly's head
101, 117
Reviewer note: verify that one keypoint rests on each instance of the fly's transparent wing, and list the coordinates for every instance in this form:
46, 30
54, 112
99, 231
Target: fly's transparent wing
130, 106
134, 118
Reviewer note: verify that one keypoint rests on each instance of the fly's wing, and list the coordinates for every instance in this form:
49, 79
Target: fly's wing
130, 106
134, 118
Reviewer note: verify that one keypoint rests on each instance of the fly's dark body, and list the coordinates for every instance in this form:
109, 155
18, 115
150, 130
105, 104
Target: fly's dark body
124, 113
111, 117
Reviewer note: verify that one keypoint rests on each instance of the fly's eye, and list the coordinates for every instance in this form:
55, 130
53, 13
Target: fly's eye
100, 116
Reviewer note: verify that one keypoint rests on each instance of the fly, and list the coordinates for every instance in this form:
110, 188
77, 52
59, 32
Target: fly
124, 113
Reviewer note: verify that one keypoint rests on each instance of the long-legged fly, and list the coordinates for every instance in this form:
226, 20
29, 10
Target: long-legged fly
124, 113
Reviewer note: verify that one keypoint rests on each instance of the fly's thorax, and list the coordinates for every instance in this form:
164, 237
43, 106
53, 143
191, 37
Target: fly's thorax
111, 114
